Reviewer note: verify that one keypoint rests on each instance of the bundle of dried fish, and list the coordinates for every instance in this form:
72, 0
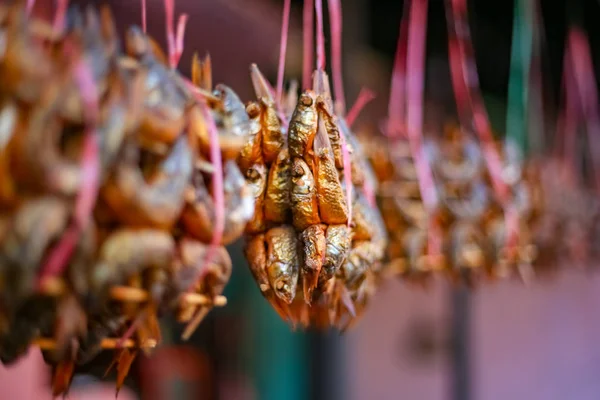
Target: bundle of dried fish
113, 199
308, 261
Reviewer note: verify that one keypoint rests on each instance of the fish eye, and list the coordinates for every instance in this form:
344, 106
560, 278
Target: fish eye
252, 174
297, 171
306, 100
252, 110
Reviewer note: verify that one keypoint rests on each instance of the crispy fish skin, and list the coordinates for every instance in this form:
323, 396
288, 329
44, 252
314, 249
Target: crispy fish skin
234, 117
332, 199
303, 125
256, 253
199, 214
273, 139
158, 204
277, 198
313, 250
337, 247
257, 177
282, 261
359, 259
251, 152
333, 132
368, 223
304, 199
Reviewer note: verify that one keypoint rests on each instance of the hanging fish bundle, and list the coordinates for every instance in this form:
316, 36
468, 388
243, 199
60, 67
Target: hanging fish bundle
309, 263
567, 232
112, 199
458, 202
317, 239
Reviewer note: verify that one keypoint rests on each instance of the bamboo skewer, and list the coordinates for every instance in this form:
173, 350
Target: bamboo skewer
56, 287
126, 293
107, 343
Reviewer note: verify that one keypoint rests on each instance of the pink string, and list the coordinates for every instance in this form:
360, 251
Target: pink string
583, 69
174, 40
365, 96
59, 17
179, 39
144, 25
415, 82
85, 200
469, 97
461, 50
396, 107
131, 329
217, 182
320, 36
335, 22
29, 6
283, 48
308, 43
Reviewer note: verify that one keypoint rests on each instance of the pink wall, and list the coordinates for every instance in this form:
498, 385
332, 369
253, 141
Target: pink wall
537, 342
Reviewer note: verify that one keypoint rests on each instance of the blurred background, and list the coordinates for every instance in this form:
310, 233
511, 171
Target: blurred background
501, 341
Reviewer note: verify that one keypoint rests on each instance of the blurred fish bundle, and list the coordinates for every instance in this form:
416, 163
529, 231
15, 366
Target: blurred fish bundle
459, 202
110, 164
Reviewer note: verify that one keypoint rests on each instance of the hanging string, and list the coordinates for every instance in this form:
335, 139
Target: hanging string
283, 48
308, 43
415, 83
396, 124
335, 22
320, 36
144, 26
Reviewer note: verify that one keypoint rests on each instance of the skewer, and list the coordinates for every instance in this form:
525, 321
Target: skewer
131, 294
56, 287
107, 343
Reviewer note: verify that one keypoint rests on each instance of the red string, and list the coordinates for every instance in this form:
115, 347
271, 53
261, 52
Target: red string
365, 96
170, 30
179, 39
175, 40
583, 72
463, 65
396, 124
85, 200
469, 99
415, 83
308, 43
320, 36
283, 48
29, 6
335, 21
60, 15
217, 183
144, 16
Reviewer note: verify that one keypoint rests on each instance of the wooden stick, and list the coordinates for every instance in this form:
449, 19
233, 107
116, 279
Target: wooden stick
56, 287
131, 294
107, 343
